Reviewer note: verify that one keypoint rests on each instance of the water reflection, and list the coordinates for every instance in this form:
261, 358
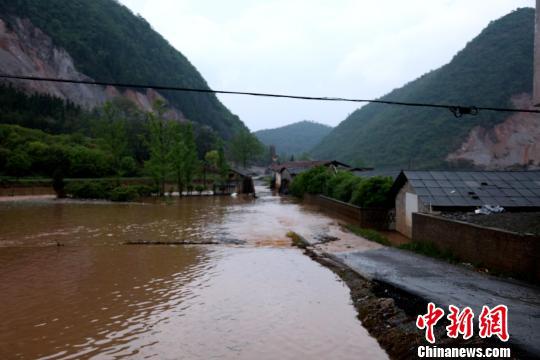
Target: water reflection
86, 300
43, 223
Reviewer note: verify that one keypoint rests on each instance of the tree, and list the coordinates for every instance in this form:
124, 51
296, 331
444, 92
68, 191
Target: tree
245, 147
312, 181
18, 163
211, 158
216, 159
59, 183
210, 161
112, 129
159, 145
373, 192
86, 162
183, 154
177, 155
205, 138
223, 167
190, 156
128, 166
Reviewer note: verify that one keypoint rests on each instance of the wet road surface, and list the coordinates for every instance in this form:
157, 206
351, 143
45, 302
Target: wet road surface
446, 284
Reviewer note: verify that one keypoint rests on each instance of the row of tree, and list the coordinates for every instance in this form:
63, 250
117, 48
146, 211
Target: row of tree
119, 140
172, 150
344, 186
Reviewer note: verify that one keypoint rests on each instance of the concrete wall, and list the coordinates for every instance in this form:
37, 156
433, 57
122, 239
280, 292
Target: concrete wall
278, 180
403, 202
493, 248
380, 219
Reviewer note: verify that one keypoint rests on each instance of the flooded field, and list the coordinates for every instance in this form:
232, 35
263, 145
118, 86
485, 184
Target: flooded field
251, 297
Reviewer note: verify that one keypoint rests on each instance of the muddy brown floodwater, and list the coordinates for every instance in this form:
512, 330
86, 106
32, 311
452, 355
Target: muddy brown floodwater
93, 297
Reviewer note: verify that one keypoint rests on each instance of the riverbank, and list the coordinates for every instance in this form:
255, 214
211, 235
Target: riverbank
388, 303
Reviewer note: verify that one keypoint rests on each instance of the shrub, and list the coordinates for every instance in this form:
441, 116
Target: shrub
335, 181
38, 153
89, 189
199, 189
313, 181
4, 156
87, 162
318, 183
128, 166
145, 190
18, 163
125, 193
298, 186
372, 192
344, 190
100, 189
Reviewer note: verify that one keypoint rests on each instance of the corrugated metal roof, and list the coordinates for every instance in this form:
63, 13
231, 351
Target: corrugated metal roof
476, 188
296, 167
377, 172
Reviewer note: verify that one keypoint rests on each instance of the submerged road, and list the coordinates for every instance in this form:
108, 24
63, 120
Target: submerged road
446, 284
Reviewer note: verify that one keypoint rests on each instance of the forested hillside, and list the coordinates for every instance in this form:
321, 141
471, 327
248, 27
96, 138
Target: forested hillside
492, 68
294, 139
109, 43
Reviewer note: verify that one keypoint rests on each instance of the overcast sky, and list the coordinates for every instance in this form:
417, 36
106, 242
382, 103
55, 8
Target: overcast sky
342, 48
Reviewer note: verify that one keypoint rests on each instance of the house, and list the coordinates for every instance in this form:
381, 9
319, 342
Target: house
236, 182
429, 191
283, 174
371, 172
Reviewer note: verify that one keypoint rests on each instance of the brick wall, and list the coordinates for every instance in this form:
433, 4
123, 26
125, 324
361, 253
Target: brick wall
26, 190
493, 248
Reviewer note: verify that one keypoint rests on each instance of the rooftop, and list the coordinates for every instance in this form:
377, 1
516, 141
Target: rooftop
299, 166
473, 188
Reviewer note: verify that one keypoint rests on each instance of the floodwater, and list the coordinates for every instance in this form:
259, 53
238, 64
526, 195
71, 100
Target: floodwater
252, 296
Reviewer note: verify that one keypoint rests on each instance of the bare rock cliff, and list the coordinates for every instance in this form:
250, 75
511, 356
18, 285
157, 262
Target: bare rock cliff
514, 143
26, 50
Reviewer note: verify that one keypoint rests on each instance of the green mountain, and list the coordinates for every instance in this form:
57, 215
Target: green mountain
294, 139
109, 43
492, 68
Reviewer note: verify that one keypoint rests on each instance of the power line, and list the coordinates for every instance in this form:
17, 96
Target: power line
457, 110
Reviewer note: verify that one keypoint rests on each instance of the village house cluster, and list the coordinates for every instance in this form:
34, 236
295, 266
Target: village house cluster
444, 208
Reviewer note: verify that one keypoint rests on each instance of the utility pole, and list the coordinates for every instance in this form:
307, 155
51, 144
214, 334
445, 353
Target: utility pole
536, 81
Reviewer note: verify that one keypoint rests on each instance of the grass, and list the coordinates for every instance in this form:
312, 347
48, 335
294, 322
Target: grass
369, 234
427, 249
297, 240
431, 250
